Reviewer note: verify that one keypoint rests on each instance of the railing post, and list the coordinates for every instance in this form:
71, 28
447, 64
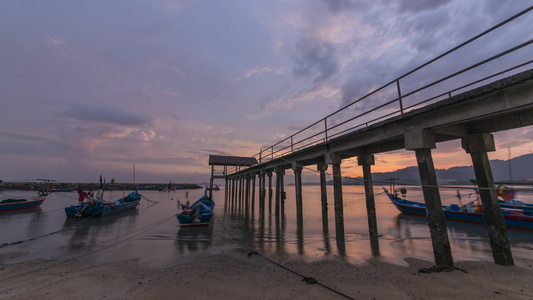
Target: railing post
272, 153
399, 96
326, 128
292, 145
260, 152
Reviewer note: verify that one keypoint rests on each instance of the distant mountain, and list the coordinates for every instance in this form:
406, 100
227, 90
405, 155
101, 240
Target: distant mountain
521, 169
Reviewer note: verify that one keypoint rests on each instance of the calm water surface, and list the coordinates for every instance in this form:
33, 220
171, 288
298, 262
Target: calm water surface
152, 233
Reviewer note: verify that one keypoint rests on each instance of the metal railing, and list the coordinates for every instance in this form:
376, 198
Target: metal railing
335, 124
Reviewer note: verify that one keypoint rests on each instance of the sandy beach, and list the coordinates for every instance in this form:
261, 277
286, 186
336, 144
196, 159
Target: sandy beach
241, 275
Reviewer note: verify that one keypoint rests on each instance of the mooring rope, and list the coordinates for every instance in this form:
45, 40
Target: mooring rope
309, 280
149, 200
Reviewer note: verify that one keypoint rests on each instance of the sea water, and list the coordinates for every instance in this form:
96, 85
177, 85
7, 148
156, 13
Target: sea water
151, 233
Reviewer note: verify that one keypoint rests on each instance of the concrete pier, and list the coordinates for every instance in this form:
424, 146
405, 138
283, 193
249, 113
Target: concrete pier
422, 141
247, 197
477, 145
252, 190
297, 168
366, 161
269, 175
470, 116
322, 167
335, 160
279, 182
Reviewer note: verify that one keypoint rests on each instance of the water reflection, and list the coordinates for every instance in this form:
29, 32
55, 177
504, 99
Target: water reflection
374, 246
133, 235
87, 233
465, 238
191, 239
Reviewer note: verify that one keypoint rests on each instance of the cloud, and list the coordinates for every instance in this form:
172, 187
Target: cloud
93, 113
22, 144
416, 6
142, 135
336, 6
204, 152
313, 57
261, 70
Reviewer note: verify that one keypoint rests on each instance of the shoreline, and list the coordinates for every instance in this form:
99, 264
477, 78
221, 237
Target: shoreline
242, 275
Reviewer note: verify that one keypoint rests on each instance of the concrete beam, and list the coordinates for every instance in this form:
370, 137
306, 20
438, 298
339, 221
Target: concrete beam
366, 160
332, 158
419, 139
480, 142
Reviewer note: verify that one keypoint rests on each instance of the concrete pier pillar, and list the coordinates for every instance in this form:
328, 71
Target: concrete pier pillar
232, 195
259, 192
262, 195
247, 197
334, 160
211, 182
253, 195
322, 167
282, 195
225, 194
477, 145
279, 174
297, 168
366, 161
243, 179
269, 175
422, 141
240, 194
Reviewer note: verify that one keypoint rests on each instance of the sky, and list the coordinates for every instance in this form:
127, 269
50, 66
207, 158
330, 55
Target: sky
90, 88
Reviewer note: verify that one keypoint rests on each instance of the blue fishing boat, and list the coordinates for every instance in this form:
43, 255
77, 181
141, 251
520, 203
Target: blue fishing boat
24, 203
100, 208
471, 213
507, 199
199, 213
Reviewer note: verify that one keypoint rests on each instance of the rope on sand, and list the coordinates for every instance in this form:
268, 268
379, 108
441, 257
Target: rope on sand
308, 280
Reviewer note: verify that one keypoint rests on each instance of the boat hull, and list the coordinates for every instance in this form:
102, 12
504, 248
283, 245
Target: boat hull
187, 218
22, 205
104, 208
515, 219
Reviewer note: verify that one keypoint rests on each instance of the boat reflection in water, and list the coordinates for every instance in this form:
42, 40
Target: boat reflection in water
91, 232
191, 239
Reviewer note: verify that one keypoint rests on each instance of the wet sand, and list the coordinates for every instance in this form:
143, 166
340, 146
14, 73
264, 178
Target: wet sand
241, 275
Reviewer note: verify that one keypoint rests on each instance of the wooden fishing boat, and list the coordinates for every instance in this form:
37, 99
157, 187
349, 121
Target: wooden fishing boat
507, 199
25, 203
100, 208
20, 203
471, 213
199, 213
